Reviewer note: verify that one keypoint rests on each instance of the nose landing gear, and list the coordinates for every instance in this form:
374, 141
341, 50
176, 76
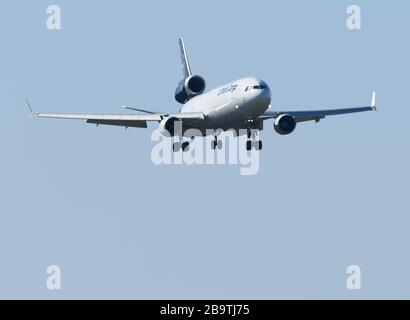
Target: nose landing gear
252, 133
257, 145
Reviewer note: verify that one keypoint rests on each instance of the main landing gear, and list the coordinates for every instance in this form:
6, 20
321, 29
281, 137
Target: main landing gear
216, 143
180, 144
177, 146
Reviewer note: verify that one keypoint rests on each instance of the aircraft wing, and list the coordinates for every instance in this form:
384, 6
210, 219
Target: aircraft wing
317, 115
123, 120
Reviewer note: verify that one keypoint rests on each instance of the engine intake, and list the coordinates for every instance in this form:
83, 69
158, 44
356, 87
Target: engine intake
170, 126
285, 124
189, 88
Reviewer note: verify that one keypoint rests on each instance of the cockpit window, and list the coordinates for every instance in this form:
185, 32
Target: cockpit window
260, 87
256, 87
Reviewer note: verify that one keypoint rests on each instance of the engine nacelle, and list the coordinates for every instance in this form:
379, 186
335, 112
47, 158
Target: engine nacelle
189, 88
170, 127
284, 124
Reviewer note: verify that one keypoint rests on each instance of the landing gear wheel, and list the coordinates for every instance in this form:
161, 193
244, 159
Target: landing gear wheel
213, 144
258, 145
216, 144
176, 146
185, 146
248, 145
219, 144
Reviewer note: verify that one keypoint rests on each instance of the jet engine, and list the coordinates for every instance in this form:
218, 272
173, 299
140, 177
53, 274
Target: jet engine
284, 124
170, 127
189, 88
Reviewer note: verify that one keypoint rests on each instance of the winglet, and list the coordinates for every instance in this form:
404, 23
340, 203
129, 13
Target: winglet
32, 113
373, 105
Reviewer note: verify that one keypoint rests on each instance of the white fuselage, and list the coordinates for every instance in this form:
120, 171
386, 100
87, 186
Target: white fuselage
231, 105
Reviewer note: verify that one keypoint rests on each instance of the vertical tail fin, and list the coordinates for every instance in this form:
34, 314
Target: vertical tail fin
184, 58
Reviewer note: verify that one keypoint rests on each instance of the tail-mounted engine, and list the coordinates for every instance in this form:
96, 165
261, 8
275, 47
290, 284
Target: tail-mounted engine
189, 88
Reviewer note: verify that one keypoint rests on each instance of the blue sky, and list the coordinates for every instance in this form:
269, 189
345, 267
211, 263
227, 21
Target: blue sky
91, 201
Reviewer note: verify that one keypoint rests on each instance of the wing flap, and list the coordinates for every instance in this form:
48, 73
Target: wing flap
120, 123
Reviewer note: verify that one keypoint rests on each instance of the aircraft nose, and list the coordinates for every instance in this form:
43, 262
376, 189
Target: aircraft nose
264, 85
265, 99
265, 94
266, 90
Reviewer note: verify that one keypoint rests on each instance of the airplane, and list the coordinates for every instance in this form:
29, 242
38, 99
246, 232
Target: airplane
242, 106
